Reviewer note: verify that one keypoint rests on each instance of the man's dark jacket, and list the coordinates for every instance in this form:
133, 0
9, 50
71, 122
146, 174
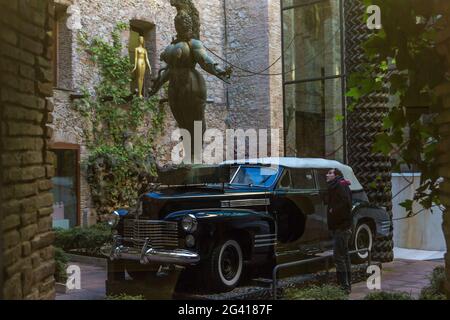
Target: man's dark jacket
339, 204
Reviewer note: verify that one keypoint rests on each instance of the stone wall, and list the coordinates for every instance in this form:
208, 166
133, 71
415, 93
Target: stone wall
444, 125
247, 33
26, 203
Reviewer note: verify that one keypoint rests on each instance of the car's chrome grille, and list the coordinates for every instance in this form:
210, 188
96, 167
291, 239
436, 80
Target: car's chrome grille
161, 234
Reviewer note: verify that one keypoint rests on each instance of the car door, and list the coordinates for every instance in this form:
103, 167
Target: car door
296, 206
321, 182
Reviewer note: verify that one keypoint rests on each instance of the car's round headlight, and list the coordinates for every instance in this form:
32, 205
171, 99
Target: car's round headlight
114, 218
189, 223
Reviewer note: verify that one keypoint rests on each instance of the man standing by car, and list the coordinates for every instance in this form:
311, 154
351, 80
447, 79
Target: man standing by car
340, 223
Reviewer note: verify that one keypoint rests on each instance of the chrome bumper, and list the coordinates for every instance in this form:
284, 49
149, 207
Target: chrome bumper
149, 255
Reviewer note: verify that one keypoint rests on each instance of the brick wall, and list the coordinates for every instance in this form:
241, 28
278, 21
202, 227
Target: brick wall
26, 201
444, 125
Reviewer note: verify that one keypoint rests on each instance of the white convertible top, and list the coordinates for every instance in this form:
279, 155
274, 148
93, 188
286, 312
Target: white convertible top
306, 163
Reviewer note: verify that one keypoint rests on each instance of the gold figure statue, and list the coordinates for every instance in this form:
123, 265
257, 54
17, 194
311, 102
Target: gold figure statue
140, 64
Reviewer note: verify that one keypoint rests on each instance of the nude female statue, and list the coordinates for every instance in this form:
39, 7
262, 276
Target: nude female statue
140, 64
187, 87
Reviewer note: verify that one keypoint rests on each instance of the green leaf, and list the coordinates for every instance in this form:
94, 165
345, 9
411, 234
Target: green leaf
407, 204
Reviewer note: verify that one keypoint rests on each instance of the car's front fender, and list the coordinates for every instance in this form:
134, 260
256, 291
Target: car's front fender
379, 216
217, 224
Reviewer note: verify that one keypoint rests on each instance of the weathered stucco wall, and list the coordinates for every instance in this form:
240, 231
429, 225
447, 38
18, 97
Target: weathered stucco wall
423, 231
26, 254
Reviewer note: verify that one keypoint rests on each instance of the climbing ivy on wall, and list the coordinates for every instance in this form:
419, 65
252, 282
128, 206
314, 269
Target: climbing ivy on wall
121, 127
402, 58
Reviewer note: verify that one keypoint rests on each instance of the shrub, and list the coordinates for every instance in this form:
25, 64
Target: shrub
89, 240
124, 297
435, 291
60, 265
383, 295
326, 292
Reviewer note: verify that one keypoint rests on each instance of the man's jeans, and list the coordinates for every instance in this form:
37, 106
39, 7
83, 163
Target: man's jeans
342, 258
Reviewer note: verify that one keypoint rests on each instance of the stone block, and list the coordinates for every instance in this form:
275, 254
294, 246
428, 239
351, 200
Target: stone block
24, 129
28, 205
25, 190
23, 144
44, 200
50, 171
10, 222
8, 35
45, 88
16, 54
32, 157
45, 185
11, 239
28, 232
12, 112
45, 224
28, 220
27, 280
12, 288
47, 253
47, 286
45, 211
30, 45
11, 207
45, 270
27, 72
12, 255
26, 248
9, 65
43, 240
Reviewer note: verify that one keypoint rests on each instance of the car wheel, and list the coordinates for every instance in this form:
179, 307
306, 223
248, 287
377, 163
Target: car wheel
363, 239
225, 266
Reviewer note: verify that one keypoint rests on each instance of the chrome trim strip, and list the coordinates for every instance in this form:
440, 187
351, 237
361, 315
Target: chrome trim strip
265, 245
226, 195
265, 235
244, 203
265, 240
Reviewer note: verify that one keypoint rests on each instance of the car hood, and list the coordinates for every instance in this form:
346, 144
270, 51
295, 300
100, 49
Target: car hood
161, 203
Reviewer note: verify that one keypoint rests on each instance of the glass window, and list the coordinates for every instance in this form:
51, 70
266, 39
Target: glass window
312, 43
313, 100
256, 176
322, 178
65, 189
302, 179
312, 125
285, 182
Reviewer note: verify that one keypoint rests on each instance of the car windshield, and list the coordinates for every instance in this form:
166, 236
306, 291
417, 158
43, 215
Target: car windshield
255, 176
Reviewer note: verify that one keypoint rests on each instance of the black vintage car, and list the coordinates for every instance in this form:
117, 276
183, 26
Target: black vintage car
220, 221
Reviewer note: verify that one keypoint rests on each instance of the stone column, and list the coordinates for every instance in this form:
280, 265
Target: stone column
26, 201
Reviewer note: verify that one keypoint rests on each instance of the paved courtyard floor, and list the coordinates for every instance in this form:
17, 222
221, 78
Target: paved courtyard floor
401, 275
92, 284
408, 276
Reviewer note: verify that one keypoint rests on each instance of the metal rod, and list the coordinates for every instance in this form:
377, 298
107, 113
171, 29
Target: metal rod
302, 262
